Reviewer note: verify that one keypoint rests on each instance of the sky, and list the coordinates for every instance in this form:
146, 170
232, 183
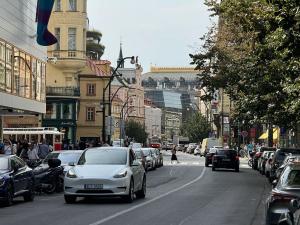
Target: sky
160, 32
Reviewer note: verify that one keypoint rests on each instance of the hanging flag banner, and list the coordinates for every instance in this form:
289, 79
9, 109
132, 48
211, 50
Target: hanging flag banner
43, 13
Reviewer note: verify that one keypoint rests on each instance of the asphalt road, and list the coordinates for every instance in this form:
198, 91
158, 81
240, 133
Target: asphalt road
178, 194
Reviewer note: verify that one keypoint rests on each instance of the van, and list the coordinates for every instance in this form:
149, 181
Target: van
208, 143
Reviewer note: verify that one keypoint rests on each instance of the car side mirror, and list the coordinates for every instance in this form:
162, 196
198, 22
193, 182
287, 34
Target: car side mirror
71, 164
274, 183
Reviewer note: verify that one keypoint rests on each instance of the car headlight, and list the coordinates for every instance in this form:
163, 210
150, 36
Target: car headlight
121, 174
148, 158
71, 173
2, 182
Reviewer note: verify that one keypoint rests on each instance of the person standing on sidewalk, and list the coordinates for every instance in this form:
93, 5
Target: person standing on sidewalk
174, 157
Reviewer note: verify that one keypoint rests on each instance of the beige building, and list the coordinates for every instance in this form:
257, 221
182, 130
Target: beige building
90, 117
67, 59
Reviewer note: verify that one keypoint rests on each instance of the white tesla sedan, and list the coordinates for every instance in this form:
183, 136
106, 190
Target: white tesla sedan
106, 171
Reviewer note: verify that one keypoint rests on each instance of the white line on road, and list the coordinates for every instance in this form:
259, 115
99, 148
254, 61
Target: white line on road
148, 202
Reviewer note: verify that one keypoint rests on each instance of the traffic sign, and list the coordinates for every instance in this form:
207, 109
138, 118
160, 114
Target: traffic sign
244, 133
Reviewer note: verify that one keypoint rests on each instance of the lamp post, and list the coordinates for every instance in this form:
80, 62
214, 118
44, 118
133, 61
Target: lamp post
113, 75
121, 116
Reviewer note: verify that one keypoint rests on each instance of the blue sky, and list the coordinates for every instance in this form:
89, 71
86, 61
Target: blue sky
160, 32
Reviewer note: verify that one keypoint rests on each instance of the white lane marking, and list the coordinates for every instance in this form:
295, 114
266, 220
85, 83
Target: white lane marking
148, 202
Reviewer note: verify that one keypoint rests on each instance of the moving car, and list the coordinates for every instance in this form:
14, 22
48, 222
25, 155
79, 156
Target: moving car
285, 190
16, 179
228, 159
106, 171
197, 150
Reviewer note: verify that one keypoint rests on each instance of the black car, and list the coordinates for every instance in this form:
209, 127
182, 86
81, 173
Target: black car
279, 157
16, 179
209, 156
228, 159
285, 190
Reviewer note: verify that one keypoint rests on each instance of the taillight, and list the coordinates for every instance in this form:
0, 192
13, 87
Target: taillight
281, 197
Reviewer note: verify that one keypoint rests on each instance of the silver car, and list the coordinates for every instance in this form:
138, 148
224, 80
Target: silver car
150, 158
106, 171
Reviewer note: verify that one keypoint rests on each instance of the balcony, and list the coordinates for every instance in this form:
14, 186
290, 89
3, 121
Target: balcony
63, 91
68, 59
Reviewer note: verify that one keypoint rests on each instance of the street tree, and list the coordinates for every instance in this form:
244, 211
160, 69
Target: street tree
196, 128
135, 130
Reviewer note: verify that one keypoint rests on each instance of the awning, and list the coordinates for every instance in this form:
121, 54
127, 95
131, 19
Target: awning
276, 134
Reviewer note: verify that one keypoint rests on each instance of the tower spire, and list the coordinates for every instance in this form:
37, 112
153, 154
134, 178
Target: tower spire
121, 56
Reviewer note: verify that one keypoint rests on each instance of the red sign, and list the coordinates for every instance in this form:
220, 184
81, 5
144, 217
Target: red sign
252, 132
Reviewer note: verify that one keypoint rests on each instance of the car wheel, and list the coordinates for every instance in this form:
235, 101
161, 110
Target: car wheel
8, 201
29, 196
142, 193
213, 168
130, 197
237, 169
51, 188
69, 199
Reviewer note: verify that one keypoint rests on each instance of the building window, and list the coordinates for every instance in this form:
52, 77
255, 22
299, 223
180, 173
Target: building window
50, 111
84, 6
2, 66
73, 5
58, 5
91, 89
66, 111
90, 113
72, 39
57, 35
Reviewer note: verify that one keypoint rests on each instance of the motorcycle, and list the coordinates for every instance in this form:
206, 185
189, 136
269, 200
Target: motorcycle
49, 178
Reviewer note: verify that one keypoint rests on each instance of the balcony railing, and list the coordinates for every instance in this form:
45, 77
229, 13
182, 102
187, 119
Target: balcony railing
67, 54
63, 91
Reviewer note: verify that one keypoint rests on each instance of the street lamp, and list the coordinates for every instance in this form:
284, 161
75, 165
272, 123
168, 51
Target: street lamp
121, 115
113, 75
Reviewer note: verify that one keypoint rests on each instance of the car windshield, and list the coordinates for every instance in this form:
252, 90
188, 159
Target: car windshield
3, 164
291, 177
146, 152
138, 154
65, 157
103, 157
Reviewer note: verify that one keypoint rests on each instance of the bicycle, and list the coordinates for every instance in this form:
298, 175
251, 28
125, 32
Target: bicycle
250, 162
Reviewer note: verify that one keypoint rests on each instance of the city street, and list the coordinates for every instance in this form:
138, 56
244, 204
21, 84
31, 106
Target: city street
180, 194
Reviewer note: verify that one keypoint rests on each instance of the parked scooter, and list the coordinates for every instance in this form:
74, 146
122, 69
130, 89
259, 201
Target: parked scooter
49, 179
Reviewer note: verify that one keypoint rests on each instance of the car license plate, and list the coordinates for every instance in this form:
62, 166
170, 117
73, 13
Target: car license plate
93, 186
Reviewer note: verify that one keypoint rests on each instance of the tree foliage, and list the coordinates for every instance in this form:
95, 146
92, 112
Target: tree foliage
136, 131
253, 54
196, 128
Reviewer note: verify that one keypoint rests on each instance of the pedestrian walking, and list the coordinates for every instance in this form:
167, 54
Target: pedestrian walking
43, 149
174, 157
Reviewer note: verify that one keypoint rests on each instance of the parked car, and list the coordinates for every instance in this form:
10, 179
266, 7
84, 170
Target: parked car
135, 145
258, 154
263, 159
141, 157
16, 179
209, 156
226, 159
118, 143
285, 190
288, 159
150, 159
191, 148
197, 150
294, 212
106, 171
269, 163
160, 161
279, 157
65, 156
180, 147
